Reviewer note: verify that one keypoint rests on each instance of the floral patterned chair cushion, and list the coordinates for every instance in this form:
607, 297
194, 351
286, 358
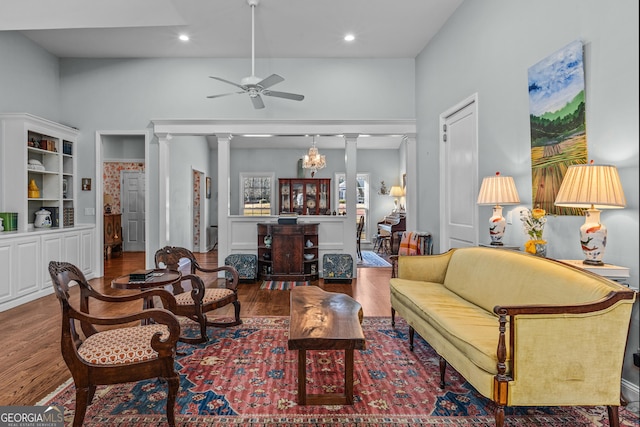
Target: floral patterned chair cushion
245, 264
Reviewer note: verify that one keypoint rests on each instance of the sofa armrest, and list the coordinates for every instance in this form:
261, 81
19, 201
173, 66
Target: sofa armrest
563, 355
428, 268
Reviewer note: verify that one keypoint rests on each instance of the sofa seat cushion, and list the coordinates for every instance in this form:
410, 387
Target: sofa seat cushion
471, 329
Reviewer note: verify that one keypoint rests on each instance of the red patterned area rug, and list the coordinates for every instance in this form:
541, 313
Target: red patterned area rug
245, 376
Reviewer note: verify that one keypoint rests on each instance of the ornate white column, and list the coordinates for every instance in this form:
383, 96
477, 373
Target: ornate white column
164, 201
351, 168
411, 195
224, 186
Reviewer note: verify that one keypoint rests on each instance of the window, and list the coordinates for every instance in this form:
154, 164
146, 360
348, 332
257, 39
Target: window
256, 193
362, 194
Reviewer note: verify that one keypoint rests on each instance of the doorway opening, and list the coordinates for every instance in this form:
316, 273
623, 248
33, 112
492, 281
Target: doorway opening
121, 157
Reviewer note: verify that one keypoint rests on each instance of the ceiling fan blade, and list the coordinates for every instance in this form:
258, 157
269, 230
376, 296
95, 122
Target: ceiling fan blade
227, 81
224, 94
286, 95
270, 81
257, 102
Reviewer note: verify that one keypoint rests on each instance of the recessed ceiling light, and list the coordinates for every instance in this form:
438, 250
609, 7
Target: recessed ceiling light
349, 37
184, 37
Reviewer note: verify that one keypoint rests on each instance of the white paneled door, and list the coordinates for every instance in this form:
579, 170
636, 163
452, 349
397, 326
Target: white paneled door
133, 215
458, 175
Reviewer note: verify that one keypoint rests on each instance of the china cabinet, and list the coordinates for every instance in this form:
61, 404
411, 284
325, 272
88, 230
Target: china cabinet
311, 196
288, 251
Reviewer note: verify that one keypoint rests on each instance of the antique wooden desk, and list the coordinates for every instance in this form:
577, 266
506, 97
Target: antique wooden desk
324, 321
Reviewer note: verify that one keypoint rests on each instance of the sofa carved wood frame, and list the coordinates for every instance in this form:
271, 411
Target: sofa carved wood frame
195, 302
156, 339
507, 316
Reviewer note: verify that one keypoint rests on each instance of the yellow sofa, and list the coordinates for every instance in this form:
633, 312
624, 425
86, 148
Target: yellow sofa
523, 330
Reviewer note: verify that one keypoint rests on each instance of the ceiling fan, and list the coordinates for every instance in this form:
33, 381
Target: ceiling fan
255, 86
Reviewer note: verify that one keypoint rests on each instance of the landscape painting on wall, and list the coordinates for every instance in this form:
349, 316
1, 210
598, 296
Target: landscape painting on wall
557, 119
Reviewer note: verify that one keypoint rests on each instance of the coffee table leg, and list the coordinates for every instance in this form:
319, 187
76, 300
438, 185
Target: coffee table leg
348, 376
302, 377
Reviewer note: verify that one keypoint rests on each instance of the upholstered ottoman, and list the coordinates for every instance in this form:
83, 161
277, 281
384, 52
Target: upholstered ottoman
337, 268
246, 264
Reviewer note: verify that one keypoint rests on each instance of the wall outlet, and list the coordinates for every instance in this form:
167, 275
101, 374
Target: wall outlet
89, 211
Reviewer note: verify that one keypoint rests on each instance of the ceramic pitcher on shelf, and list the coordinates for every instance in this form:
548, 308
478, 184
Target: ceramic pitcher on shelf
43, 219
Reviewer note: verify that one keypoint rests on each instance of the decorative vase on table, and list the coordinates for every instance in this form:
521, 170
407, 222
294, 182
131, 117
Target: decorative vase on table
541, 249
533, 222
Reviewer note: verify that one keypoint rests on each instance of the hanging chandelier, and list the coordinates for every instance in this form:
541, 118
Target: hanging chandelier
314, 160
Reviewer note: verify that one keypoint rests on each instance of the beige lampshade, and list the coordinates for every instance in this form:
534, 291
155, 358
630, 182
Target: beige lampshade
107, 199
498, 190
586, 186
396, 191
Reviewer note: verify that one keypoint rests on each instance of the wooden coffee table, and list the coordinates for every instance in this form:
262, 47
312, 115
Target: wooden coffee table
324, 321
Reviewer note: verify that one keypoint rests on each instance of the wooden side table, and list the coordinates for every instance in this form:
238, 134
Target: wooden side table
609, 271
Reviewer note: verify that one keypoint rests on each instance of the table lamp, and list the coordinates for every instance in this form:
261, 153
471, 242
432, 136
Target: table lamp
498, 190
396, 192
593, 187
108, 203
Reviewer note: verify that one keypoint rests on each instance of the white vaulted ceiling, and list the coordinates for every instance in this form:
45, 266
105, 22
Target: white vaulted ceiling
222, 28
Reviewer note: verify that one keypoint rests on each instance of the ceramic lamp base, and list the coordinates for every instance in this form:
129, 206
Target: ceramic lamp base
497, 224
593, 238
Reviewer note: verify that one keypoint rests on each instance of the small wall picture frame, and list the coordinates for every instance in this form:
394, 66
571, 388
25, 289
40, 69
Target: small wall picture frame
86, 184
208, 187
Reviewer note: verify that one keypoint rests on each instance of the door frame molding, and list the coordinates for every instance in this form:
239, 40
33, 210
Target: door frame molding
99, 189
472, 99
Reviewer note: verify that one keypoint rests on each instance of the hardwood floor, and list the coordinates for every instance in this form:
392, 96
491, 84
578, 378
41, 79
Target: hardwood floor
31, 365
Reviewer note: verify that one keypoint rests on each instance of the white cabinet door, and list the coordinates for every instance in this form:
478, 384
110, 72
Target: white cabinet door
51, 251
71, 246
26, 277
87, 253
5, 271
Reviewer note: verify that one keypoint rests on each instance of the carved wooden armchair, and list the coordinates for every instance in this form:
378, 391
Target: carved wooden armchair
193, 298
106, 356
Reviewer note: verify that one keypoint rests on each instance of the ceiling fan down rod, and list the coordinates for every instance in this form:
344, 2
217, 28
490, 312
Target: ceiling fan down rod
253, 4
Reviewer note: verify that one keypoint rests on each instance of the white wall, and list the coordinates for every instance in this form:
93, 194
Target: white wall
29, 78
122, 147
487, 47
187, 153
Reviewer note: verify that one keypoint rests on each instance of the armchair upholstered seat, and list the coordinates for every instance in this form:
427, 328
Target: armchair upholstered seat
193, 298
120, 354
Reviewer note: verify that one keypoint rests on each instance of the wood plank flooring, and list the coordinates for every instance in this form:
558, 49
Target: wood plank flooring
31, 365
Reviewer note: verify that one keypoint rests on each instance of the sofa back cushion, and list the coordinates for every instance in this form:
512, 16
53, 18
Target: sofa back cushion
489, 277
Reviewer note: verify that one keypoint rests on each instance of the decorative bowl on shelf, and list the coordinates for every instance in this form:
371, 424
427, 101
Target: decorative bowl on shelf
308, 256
266, 256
